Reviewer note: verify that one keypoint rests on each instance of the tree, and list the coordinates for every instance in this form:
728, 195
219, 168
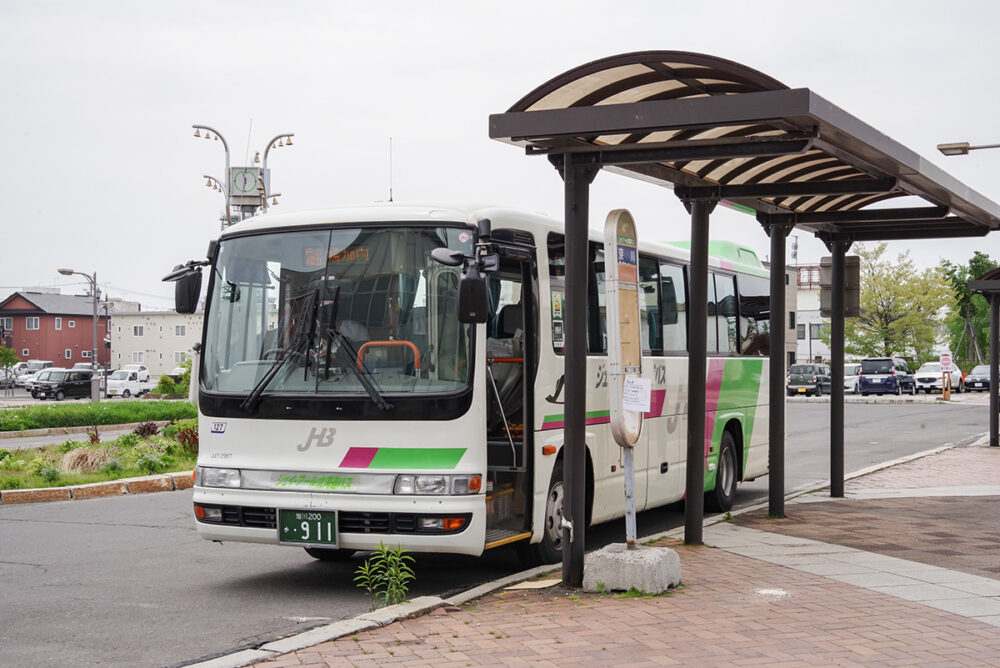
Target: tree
900, 307
969, 322
8, 358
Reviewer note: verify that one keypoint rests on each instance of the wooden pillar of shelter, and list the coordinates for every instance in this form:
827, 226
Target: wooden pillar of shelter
837, 293
694, 500
577, 175
776, 372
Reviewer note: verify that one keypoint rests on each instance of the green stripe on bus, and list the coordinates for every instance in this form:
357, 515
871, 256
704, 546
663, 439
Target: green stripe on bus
740, 388
417, 458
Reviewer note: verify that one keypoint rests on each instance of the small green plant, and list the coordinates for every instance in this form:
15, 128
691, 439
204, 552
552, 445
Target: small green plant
602, 588
113, 467
128, 440
633, 593
49, 474
11, 483
68, 445
4, 453
728, 516
386, 575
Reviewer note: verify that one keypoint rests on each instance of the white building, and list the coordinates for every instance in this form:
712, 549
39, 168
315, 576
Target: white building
159, 339
810, 322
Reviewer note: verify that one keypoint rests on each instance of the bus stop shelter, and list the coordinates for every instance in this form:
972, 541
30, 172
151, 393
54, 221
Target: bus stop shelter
715, 130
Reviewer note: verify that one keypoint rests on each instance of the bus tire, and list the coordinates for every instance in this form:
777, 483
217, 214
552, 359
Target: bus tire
325, 554
549, 550
722, 497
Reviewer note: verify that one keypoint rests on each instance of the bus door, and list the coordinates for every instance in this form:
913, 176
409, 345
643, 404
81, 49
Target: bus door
511, 363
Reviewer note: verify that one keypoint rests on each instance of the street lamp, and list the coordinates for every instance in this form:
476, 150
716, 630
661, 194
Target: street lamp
225, 190
215, 184
962, 148
95, 393
284, 139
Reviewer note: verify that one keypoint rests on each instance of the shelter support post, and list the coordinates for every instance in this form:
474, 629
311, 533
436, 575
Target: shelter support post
776, 373
577, 176
694, 504
837, 291
994, 373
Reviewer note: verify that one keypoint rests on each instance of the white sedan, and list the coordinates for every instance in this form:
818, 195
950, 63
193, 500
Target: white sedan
930, 378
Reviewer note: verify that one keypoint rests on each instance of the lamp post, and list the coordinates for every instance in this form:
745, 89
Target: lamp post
284, 139
95, 392
209, 131
962, 148
215, 184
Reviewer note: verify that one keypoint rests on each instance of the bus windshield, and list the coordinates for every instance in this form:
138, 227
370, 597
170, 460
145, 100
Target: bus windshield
337, 311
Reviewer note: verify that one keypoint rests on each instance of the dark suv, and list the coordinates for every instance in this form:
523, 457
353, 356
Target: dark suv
812, 378
63, 383
886, 375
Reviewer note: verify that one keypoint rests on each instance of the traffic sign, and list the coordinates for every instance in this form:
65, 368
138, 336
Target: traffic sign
945, 359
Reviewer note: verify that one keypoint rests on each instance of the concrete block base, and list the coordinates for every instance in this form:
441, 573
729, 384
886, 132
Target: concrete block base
651, 570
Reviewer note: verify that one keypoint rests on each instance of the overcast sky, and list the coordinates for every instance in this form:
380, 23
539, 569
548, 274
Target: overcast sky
101, 172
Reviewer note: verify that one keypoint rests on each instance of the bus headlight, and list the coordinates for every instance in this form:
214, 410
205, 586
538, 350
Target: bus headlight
437, 484
213, 477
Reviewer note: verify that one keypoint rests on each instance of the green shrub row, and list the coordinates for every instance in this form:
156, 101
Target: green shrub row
85, 415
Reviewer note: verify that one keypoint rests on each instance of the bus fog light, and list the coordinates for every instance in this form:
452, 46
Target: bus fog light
211, 477
431, 523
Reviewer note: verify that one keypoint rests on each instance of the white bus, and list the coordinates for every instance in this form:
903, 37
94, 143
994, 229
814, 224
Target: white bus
344, 403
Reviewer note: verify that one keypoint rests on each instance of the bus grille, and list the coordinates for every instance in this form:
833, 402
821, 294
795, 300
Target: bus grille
347, 521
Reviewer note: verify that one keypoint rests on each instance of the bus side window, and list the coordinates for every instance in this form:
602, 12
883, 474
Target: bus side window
725, 318
649, 307
673, 307
597, 314
755, 314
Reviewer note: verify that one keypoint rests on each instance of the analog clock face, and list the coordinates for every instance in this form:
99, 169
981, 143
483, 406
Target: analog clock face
245, 181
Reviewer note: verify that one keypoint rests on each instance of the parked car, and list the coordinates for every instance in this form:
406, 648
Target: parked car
7, 379
851, 377
979, 378
886, 375
28, 380
930, 377
808, 379
128, 383
62, 383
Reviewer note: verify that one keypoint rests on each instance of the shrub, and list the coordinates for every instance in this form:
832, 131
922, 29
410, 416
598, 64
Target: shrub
127, 440
11, 483
170, 430
86, 460
146, 429
37, 464
101, 413
4, 453
188, 438
166, 386
49, 474
69, 445
149, 456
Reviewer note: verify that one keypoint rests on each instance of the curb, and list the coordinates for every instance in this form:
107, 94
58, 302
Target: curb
58, 431
165, 482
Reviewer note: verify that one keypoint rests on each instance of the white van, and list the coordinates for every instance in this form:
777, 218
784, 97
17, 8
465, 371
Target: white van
128, 383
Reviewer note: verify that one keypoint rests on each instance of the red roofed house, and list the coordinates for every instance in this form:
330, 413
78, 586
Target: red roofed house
54, 327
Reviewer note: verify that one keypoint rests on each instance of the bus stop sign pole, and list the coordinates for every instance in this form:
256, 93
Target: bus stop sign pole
629, 392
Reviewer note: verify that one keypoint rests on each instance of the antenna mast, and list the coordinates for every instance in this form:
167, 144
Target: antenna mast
390, 169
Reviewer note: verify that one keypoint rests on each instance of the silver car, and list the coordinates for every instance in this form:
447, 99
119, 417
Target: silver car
851, 377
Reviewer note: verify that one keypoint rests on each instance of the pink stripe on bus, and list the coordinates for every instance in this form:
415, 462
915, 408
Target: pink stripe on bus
713, 385
358, 458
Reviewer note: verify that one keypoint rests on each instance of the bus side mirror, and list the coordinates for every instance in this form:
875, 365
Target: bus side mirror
473, 298
187, 287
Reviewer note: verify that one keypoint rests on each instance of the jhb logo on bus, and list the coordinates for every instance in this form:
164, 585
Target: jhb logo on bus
323, 439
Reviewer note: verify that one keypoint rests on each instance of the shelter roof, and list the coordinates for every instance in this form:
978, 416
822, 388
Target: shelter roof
715, 129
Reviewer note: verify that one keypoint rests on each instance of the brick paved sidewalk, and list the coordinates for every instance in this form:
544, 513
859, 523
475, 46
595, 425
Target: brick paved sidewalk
730, 610
734, 609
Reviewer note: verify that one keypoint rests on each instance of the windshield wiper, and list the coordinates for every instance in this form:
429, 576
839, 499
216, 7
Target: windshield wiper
347, 354
301, 335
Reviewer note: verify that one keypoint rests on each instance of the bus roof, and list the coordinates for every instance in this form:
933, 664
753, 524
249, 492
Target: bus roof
725, 255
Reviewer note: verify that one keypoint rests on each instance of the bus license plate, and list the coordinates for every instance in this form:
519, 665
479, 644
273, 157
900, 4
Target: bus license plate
307, 527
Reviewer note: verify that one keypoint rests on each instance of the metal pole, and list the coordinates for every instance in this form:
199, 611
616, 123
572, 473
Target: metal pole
837, 290
577, 195
95, 387
694, 504
776, 382
225, 145
994, 372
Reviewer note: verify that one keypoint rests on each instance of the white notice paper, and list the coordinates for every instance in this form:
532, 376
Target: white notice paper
637, 393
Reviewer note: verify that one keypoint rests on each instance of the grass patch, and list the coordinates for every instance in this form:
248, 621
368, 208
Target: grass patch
78, 463
85, 415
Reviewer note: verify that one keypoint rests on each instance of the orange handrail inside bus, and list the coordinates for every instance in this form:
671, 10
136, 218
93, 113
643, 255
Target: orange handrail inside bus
388, 344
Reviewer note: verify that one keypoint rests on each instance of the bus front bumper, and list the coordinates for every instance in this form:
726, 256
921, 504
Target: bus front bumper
364, 521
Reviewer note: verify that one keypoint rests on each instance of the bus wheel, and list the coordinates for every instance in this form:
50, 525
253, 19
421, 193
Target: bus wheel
721, 498
550, 549
324, 554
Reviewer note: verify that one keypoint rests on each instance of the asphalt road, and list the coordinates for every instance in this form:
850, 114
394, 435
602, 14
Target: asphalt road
125, 581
